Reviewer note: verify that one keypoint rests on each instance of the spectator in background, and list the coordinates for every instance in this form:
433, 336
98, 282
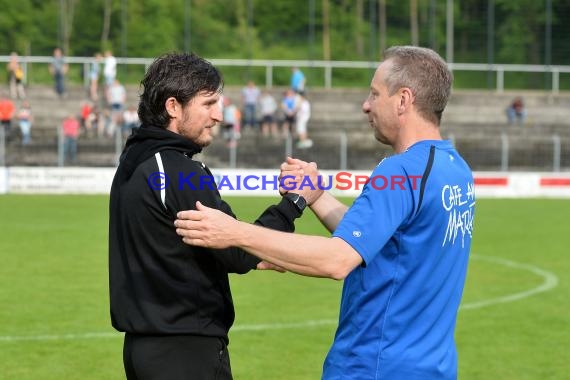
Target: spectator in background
116, 98
110, 69
268, 109
7, 110
250, 95
130, 120
86, 109
95, 122
303, 116
289, 106
25, 120
71, 129
297, 80
16, 77
230, 123
58, 69
516, 111
94, 71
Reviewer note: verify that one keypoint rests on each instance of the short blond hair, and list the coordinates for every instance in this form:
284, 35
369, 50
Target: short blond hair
425, 73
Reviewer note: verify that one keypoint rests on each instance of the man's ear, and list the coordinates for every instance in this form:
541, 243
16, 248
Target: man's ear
406, 99
172, 107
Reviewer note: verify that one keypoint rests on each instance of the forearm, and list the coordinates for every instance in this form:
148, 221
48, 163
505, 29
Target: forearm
236, 260
280, 217
329, 210
315, 256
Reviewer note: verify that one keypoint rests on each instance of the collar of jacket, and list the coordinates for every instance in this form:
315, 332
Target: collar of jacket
146, 141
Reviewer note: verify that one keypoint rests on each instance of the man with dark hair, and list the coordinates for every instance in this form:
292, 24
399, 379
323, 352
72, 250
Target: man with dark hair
172, 300
402, 249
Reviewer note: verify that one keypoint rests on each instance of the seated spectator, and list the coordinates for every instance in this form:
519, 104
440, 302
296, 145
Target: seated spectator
95, 123
130, 121
25, 120
86, 109
71, 129
231, 123
516, 112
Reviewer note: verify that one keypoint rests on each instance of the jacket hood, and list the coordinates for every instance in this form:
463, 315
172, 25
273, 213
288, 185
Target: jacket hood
145, 141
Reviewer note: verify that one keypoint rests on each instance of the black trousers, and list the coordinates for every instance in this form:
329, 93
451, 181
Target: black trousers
177, 357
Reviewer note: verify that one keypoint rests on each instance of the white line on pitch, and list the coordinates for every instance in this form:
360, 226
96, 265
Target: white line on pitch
550, 282
115, 334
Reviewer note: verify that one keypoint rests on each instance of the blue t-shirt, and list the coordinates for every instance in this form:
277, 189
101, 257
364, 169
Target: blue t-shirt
412, 225
297, 80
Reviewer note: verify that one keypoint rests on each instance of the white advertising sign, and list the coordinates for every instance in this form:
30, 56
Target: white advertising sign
3, 180
46, 180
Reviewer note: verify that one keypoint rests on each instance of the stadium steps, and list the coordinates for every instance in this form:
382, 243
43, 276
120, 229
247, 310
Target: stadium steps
475, 119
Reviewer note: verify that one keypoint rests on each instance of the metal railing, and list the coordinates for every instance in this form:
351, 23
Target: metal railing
499, 69
511, 153
340, 151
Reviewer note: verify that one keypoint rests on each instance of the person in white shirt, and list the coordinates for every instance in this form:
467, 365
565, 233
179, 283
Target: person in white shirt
116, 98
130, 120
110, 69
303, 116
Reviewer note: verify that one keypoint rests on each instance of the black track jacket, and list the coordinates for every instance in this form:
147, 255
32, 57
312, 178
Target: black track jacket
158, 284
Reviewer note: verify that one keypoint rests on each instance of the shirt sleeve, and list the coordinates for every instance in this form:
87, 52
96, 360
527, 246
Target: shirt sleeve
385, 203
279, 217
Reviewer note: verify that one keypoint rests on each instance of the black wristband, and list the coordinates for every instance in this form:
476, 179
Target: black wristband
298, 201
288, 210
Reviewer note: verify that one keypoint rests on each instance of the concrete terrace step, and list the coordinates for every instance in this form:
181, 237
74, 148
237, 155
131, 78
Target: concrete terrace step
339, 105
495, 131
363, 152
475, 119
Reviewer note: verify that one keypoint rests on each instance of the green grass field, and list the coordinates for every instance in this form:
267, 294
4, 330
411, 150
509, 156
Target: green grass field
54, 319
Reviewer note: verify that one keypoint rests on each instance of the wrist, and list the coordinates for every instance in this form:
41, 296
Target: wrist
297, 200
319, 193
243, 235
315, 201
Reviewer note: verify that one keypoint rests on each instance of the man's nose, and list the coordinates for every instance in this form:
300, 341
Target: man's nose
217, 113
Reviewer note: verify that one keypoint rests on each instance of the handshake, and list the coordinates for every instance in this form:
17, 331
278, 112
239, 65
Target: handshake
293, 171
211, 228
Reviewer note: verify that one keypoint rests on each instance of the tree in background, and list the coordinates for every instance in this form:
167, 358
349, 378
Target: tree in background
66, 15
354, 29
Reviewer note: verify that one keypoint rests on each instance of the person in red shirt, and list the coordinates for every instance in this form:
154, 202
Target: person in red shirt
86, 109
70, 128
7, 110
